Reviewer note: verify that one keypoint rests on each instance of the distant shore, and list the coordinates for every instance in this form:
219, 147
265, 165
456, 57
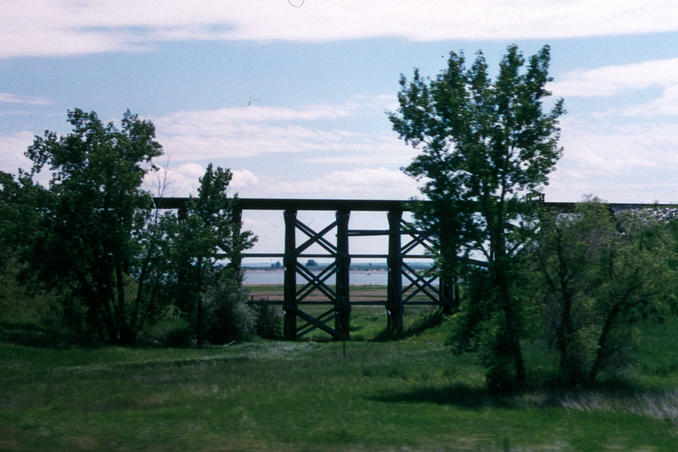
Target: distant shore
313, 269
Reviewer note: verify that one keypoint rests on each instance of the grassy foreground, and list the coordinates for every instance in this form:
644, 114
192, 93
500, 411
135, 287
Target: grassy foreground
412, 394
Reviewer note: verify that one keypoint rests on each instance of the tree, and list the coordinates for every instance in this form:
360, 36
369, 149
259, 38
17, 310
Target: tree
18, 215
207, 232
599, 274
91, 219
485, 148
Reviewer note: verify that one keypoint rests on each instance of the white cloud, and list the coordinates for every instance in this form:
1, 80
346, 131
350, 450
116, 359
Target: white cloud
169, 182
14, 99
611, 80
50, 28
253, 131
619, 161
244, 179
184, 179
200, 119
665, 105
12, 148
397, 155
600, 148
360, 183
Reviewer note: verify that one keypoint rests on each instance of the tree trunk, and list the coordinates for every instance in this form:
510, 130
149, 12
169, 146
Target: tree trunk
511, 328
602, 351
564, 331
198, 306
126, 332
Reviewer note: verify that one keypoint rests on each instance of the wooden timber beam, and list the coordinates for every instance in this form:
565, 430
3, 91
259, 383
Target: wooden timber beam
343, 262
290, 277
375, 205
394, 300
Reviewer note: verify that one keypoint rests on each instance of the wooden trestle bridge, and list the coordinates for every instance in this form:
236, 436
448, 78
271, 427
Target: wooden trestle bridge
403, 243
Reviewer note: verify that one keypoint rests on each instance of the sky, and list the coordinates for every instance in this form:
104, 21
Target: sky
292, 95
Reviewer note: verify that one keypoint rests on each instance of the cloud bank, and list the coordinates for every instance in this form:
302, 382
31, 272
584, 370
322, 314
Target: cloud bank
237, 132
617, 79
57, 28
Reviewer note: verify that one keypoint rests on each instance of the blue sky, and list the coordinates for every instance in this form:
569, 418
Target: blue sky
293, 99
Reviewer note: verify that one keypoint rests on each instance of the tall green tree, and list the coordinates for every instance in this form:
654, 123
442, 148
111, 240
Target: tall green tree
206, 242
19, 200
486, 146
92, 218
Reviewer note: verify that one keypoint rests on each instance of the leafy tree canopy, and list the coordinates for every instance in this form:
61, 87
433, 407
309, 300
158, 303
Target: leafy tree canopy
486, 146
599, 274
92, 215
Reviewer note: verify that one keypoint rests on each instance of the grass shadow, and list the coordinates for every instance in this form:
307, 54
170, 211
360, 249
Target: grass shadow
426, 321
36, 336
457, 394
613, 392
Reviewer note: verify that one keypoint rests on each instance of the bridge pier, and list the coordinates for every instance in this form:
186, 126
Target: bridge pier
394, 300
342, 303
236, 257
290, 276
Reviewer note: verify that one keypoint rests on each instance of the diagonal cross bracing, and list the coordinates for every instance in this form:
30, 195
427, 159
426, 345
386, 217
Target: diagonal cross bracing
315, 322
420, 283
417, 238
316, 282
317, 237
322, 318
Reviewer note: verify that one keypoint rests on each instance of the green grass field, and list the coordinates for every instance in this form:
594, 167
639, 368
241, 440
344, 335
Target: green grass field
411, 394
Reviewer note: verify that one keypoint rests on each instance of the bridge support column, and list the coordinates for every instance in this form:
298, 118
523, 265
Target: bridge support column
236, 257
342, 304
290, 276
394, 300
447, 294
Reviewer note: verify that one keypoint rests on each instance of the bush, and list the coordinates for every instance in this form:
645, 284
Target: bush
172, 330
29, 303
268, 319
229, 318
600, 274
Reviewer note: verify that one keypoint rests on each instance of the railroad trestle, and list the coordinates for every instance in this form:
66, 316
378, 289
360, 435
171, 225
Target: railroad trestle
421, 288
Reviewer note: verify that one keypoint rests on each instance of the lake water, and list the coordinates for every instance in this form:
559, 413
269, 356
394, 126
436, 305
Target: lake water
357, 278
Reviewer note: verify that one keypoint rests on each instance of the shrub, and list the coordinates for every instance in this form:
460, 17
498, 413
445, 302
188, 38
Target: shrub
600, 274
229, 318
268, 319
172, 330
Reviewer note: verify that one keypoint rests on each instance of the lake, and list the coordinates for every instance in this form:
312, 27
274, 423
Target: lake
356, 277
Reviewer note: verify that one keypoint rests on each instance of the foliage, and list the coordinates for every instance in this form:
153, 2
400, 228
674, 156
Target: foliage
268, 319
93, 238
600, 274
229, 318
204, 233
172, 330
90, 218
18, 215
23, 301
485, 148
